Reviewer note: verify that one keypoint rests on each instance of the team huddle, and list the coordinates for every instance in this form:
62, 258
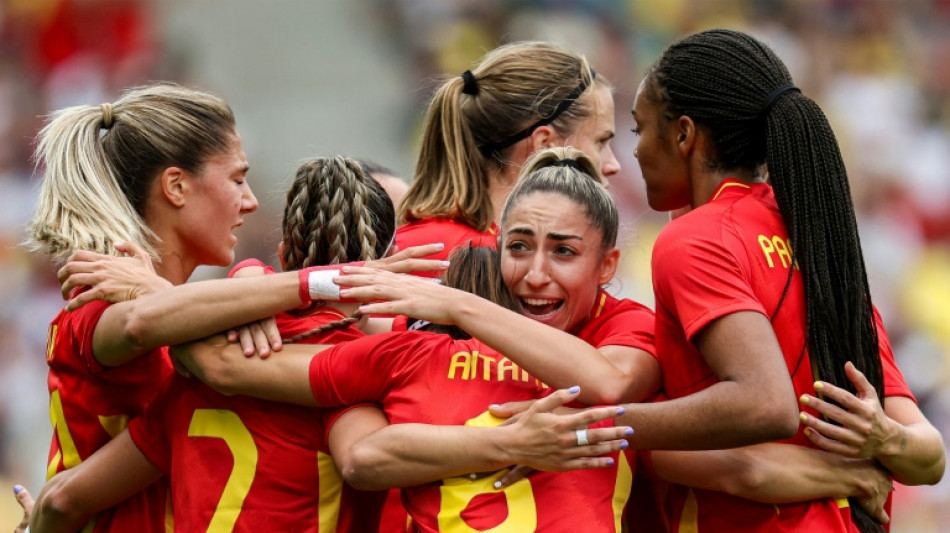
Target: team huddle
350, 391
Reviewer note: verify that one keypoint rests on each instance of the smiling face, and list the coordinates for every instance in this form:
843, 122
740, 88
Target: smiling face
663, 169
594, 134
553, 259
217, 200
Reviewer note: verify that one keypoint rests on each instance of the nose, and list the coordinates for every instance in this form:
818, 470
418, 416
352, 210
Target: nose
610, 166
249, 202
537, 274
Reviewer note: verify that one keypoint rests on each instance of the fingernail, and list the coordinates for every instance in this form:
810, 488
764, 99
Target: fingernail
803, 399
807, 431
497, 485
494, 406
445, 263
624, 444
574, 390
17, 489
819, 385
628, 431
620, 411
440, 245
610, 461
803, 417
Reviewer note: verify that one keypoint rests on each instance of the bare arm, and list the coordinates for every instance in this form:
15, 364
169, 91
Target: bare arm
899, 435
115, 472
283, 377
372, 455
753, 402
609, 375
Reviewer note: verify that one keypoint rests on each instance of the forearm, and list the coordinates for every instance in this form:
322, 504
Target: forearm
916, 455
54, 512
403, 455
555, 357
768, 473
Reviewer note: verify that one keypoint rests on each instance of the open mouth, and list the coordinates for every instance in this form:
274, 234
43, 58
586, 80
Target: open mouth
540, 307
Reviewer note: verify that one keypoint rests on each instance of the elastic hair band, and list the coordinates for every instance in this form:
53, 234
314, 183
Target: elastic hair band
776, 94
469, 86
495, 147
107, 117
569, 163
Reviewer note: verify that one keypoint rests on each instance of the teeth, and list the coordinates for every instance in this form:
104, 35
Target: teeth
539, 301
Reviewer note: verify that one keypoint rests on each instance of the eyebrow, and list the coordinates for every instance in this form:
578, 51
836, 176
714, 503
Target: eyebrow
552, 236
244, 168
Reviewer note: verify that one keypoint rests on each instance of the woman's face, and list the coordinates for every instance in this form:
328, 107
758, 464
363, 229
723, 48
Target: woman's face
553, 261
663, 170
594, 134
219, 197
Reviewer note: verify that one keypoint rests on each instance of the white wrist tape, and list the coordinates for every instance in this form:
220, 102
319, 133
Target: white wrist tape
321, 285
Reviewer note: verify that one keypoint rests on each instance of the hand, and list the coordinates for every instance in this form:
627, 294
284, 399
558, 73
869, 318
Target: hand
864, 431
543, 440
399, 294
110, 278
876, 486
26, 502
260, 337
410, 260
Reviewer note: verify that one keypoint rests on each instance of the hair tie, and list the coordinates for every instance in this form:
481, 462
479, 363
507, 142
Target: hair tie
469, 86
568, 163
107, 117
495, 147
776, 94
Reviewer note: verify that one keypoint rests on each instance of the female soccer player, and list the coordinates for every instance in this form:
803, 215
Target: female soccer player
764, 276
163, 166
483, 125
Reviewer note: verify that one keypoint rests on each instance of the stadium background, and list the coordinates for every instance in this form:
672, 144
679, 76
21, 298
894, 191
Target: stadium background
309, 78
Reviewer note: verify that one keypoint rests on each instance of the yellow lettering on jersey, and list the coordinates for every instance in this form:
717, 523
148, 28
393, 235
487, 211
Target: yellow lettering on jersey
460, 360
331, 490
622, 489
51, 341
842, 503
486, 365
777, 246
457, 492
67, 447
227, 426
689, 519
505, 366
114, 424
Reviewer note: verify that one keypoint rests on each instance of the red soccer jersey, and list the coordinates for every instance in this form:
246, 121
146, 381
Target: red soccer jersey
453, 234
412, 374
726, 256
90, 404
242, 464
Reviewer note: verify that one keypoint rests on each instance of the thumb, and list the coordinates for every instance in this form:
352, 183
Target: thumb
507, 410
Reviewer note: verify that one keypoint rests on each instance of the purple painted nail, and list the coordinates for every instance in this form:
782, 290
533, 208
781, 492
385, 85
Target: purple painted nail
17, 489
574, 390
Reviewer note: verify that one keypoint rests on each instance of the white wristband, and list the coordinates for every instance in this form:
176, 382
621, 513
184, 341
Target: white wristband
321, 285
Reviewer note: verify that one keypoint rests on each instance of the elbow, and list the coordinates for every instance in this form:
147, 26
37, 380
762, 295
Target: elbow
777, 418
357, 466
59, 505
745, 479
136, 330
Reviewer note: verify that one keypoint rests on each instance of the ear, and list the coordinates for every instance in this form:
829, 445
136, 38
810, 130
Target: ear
685, 132
175, 185
543, 137
280, 255
608, 265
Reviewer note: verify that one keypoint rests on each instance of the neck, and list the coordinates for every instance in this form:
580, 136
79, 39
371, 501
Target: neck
500, 183
173, 268
704, 187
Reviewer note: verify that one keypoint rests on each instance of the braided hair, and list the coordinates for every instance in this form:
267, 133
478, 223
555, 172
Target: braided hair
738, 90
335, 213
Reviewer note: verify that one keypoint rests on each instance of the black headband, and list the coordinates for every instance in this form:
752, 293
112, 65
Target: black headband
569, 163
497, 146
776, 94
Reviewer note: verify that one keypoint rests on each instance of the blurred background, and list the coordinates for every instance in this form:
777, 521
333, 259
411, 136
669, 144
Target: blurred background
311, 78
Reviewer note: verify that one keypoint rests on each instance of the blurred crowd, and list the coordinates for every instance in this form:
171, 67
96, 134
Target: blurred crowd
879, 68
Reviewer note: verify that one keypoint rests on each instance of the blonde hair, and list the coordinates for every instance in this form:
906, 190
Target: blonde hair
100, 161
517, 85
571, 173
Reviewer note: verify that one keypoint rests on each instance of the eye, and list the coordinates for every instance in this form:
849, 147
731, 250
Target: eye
636, 131
564, 250
517, 246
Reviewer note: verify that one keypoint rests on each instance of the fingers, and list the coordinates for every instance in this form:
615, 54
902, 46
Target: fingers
246, 339
831, 411
81, 299
510, 409
133, 249
816, 436
272, 334
861, 383
417, 265
517, 473
24, 498
557, 399
422, 250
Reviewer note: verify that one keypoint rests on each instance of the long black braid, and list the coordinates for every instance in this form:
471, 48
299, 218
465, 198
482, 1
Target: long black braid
722, 79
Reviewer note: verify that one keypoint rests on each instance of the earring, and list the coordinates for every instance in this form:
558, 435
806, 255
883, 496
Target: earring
636, 152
